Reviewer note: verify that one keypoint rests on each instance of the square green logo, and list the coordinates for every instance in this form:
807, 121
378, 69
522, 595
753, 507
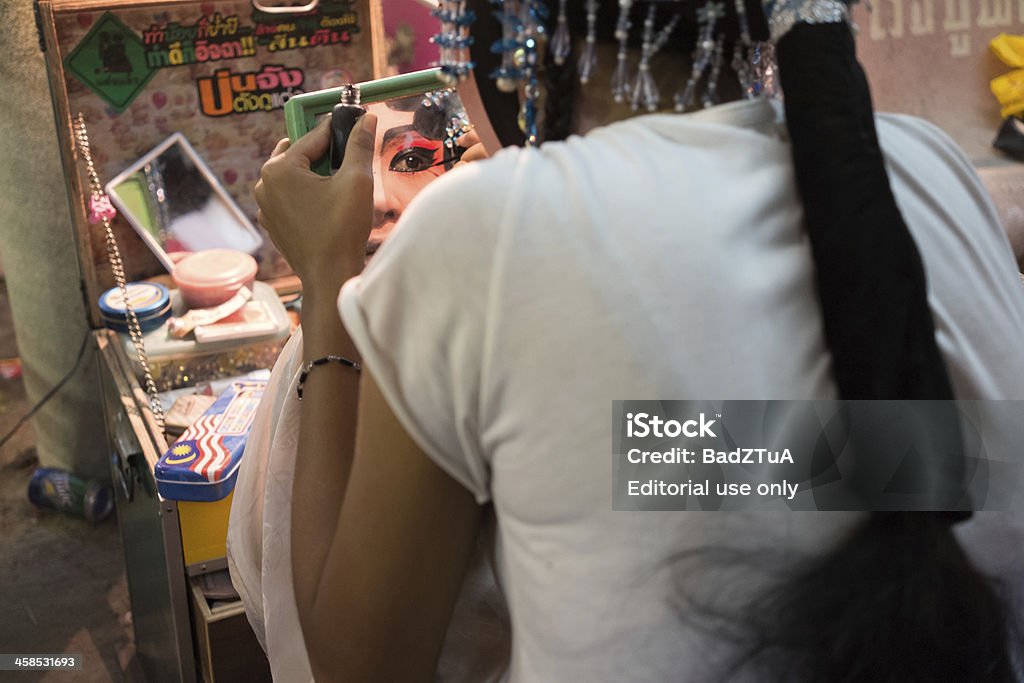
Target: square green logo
111, 60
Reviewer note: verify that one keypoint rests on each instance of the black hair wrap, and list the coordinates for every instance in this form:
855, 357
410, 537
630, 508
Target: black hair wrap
899, 600
871, 281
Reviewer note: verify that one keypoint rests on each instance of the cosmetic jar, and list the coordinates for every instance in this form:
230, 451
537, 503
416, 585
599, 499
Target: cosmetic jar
150, 301
211, 277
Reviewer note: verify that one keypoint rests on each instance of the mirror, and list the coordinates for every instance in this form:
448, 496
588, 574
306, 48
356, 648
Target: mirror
177, 205
410, 151
423, 130
303, 112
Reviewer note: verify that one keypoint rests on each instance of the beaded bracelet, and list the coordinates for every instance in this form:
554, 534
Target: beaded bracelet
308, 366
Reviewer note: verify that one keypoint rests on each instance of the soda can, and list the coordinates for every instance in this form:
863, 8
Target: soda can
56, 489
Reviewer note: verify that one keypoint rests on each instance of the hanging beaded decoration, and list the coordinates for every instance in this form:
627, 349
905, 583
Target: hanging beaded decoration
522, 28
645, 91
507, 74
454, 40
707, 17
533, 15
588, 60
101, 211
741, 16
743, 52
620, 80
661, 40
561, 42
711, 91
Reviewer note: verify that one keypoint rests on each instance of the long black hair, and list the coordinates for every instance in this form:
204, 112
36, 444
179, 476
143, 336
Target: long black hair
897, 600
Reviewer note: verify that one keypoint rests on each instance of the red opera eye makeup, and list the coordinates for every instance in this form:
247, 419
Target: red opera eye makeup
407, 151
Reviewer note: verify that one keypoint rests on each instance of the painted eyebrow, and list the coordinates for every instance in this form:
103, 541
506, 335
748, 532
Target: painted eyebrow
392, 133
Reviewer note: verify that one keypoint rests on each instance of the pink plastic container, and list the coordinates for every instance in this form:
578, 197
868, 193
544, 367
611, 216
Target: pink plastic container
211, 277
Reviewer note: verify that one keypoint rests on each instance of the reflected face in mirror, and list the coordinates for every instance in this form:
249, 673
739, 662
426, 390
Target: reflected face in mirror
406, 159
171, 199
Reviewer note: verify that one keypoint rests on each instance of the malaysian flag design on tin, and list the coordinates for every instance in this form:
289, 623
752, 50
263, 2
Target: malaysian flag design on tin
202, 464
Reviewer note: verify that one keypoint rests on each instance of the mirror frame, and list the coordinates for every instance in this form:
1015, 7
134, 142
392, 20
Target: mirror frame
302, 112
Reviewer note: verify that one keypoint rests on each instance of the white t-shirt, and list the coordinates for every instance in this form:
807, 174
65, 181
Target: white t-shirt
660, 258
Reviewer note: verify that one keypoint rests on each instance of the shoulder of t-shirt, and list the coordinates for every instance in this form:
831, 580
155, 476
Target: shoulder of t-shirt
927, 138
920, 144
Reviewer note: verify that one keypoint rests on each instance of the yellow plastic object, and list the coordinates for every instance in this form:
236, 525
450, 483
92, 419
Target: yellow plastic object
204, 529
1009, 49
1009, 90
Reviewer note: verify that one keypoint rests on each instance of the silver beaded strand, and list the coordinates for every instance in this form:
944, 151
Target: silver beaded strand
707, 16
743, 52
588, 60
711, 91
561, 42
645, 90
620, 80
661, 40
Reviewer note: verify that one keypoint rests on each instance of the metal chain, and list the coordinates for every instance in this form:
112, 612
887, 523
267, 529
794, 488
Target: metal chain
97, 195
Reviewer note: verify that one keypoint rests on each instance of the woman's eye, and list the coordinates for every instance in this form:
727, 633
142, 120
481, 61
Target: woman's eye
412, 160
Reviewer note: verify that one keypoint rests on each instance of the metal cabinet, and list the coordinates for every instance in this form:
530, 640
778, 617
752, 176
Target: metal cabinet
179, 637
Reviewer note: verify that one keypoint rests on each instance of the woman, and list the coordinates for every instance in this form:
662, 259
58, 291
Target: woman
406, 159
658, 257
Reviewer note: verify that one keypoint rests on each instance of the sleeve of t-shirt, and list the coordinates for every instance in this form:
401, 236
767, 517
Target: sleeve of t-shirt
418, 315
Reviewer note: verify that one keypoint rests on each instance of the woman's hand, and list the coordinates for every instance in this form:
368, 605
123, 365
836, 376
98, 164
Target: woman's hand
320, 223
474, 149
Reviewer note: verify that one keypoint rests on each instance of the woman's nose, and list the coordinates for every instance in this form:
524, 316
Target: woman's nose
384, 209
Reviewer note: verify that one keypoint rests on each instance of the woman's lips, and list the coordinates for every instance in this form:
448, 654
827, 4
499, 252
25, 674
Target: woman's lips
372, 246
377, 237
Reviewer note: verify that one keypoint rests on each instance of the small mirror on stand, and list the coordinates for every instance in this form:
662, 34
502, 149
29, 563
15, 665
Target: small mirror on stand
177, 205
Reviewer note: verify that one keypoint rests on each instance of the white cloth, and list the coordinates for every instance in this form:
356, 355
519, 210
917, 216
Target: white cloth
661, 257
259, 528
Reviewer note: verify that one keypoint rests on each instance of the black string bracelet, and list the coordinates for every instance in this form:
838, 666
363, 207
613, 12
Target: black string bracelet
308, 366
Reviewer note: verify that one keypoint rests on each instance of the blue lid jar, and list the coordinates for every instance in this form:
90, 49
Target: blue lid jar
150, 300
